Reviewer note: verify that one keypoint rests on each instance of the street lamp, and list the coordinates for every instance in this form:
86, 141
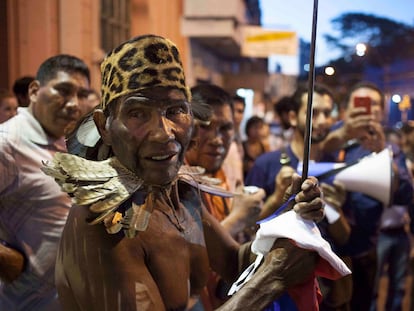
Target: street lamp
329, 71
375, 59
360, 49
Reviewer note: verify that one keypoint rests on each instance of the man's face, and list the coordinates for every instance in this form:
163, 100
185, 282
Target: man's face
56, 104
321, 116
8, 108
256, 132
238, 113
213, 140
150, 133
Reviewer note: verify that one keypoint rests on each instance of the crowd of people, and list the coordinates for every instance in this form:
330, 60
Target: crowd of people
163, 210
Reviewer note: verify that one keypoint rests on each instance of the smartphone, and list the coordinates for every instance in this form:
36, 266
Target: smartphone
363, 102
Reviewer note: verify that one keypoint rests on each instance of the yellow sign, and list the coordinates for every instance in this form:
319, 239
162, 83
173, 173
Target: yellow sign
261, 42
271, 36
405, 103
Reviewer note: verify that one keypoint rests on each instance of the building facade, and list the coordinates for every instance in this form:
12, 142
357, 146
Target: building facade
207, 32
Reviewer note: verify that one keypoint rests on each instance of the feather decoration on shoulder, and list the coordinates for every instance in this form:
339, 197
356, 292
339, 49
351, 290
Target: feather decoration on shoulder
194, 176
105, 185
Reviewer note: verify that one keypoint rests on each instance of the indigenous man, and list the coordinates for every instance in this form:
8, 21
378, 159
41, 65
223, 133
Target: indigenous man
145, 242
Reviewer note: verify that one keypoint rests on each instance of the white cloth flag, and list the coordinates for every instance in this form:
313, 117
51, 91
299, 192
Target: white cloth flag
290, 225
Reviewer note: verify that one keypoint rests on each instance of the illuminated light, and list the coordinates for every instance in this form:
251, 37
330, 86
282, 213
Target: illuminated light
396, 98
405, 103
360, 49
329, 71
306, 67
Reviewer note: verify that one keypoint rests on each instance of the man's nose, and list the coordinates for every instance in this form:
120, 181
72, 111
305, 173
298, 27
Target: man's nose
72, 104
321, 119
162, 129
216, 137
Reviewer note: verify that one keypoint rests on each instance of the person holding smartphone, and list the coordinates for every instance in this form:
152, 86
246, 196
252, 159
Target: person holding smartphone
358, 135
362, 123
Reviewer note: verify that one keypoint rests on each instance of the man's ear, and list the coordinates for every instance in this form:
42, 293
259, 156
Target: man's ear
100, 122
293, 118
33, 90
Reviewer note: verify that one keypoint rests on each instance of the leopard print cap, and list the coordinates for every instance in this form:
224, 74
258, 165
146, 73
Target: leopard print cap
140, 63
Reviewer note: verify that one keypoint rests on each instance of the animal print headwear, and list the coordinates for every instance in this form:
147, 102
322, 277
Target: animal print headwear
140, 63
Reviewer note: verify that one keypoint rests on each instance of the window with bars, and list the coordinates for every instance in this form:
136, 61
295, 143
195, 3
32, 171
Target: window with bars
115, 23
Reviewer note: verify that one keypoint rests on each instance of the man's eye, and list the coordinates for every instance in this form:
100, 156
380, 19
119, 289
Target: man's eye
65, 90
204, 126
177, 110
65, 93
227, 128
83, 93
138, 114
327, 113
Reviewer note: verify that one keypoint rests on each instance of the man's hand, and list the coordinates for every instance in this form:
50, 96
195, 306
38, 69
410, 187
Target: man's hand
334, 195
11, 264
357, 123
245, 210
283, 181
275, 200
374, 138
308, 200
